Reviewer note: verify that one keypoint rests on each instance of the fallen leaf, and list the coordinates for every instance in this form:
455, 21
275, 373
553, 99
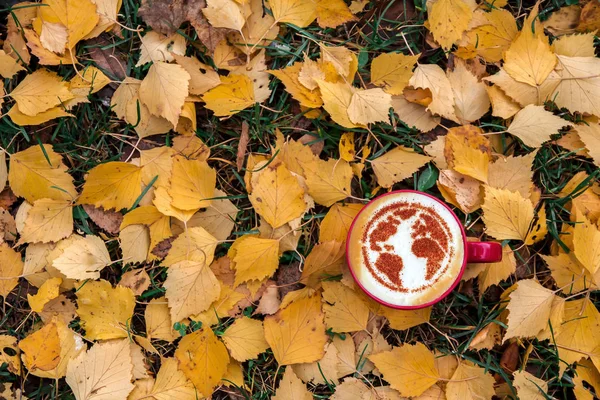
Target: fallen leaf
164, 90
234, 94
409, 369
328, 181
203, 359
277, 196
344, 310
195, 244
105, 370
290, 387
534, 125
529, 387
502, 105
506, 214
172, 383
48, 221
296, 333
324, 261
336, 99
586, 244
570, 276
48, 291
245, 339
296, 12
9, 66
292, 79
432, 77
192, 183
397, 165
191, 287
254, 258
112, 185
470, 382
468, 151
579, 45
392, 71
529, 307
137, 280
156, 47
224, 14
110, 221
589, 136
369, 106
337, 221
448, 20
405, 319
79, 17
10, 354
11, 267
320, 371
471, 100
105, 311
41, 349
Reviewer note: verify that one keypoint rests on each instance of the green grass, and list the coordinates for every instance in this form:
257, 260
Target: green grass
95, 136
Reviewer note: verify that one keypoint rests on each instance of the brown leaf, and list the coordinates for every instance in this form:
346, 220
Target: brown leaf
110, 60
164, 16
137, 280
7, 198
109, 220
287, 278
242, 145
316, 145
269, 302
510, 358
208, 35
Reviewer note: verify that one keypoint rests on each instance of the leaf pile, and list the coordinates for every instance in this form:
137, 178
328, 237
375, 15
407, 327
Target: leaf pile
144, 256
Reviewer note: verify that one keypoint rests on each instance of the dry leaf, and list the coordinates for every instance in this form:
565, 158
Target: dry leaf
534, 125
470, 382
529, 387
529, 307
245, 339
234, 94
164, 90
448, 20
291, 387
344, 310
112, 185
397, 165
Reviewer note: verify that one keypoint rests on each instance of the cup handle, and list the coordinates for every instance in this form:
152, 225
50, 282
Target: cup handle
484, 252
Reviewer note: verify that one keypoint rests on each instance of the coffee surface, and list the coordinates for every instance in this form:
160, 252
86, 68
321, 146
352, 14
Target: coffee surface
406, 249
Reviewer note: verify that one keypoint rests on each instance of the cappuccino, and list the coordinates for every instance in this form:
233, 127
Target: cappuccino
406, 249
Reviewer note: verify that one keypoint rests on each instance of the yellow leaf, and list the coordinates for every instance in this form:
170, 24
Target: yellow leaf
46, 56
502, 105
203, 359
291, 387
494, 273
90, 80
158, 224
157, 163
78, 16
41, 349
104, 371
224, 14
341, 59
11, 267
487, 338
105, 311
432, 77
218, 219
529, 58
513, 173
328, 181
529, 387
337, 98
570, 276
297, 12
586, 244
21, 119
468, 151
530, 305
234, 94
292, 79
296, 333
405, 319
346, 145
157, 47
258, 32
107, 12
330, 14
320, 371
158, 321
171, 383
534, 125
194, 244
191, 287
164, 90
245, 339
8, 66
114, 184
470, 382
397, 165
135, 243
590, 136
277, 196
48, 221
192, 184
222, 307
489, 40
337, 222
580, 45
12, 360
369, 106
575, 337
409, 369
506, 214
324, 261
203, 77
414, 115
346, 312
40, 91
392, 71
448, 20
577, 87
48, 291
254, 258
471, 100
83, 259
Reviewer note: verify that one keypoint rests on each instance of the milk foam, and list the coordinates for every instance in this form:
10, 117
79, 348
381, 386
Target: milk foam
416, 287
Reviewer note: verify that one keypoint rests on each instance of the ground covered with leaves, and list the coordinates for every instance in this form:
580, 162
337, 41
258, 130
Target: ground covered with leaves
179, 178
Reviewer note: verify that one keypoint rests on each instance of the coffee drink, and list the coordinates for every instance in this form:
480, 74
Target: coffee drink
406, 249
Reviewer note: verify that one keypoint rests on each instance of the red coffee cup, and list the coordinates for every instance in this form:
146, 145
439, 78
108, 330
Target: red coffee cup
408, 250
